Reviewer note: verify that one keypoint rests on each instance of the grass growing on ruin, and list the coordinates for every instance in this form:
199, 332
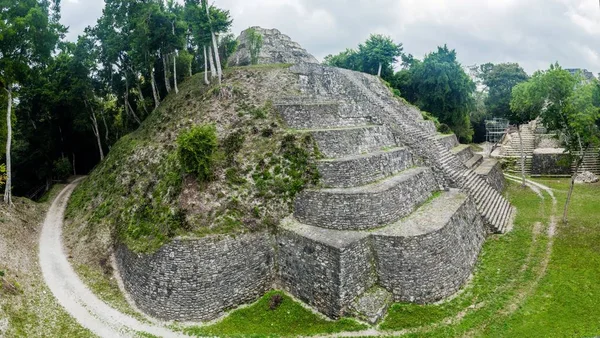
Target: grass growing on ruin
288, 319
508, 298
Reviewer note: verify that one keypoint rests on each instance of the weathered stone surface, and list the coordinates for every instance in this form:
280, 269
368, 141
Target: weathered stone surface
372, 305
352, 141
324, 268
448, 140
586, 177
360, 170
464, 152
369, 206
276, 48
429, 255
198, 279
491, 170
550, 162
315, 115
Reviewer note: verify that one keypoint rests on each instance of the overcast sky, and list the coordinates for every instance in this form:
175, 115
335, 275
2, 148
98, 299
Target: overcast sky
534, 33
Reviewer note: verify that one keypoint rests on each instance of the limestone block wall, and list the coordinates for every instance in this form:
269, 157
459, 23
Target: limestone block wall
432, 260
198, 279
361, 169
491, 170
550, 162
322, 274
317, 115
338, 143
366, 207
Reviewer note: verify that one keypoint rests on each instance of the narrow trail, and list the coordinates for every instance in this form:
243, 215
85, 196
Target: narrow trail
71, 292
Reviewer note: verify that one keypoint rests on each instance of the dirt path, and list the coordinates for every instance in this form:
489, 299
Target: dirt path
70, 291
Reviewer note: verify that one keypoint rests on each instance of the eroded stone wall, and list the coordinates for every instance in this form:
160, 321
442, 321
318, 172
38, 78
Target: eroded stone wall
198, 279
429, 267
321, 274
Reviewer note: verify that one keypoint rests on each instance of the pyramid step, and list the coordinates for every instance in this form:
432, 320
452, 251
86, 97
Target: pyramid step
360, 170
310, 258
474, 161
463, 151
351, 141
448, 141
368, 206
317, 114
416, 275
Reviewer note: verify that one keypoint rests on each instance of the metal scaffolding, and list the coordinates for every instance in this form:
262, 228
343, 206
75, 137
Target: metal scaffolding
495, 129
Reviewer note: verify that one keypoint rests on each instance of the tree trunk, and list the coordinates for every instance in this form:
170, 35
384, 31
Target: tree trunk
522, 156
106, 138
97, 134
154, 89
572, 187
74, 168
379, 71
166, 72
95, 128
217, 57
127, 105
8, 186
175, 72
141, 96
206, 67
213, 71
214, 42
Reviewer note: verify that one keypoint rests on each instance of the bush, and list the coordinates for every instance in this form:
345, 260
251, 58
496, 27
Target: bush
197, 150
62, 169
2, 175
444, 129
275, 301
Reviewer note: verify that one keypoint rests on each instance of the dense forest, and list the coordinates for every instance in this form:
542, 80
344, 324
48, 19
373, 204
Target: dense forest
68, 102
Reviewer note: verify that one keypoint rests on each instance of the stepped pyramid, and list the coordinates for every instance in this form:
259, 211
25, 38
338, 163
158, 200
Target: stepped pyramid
403, 211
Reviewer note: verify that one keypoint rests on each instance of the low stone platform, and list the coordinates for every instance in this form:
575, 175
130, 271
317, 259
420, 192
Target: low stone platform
491, 170
369, 206
422, 258
360, 170
351, 141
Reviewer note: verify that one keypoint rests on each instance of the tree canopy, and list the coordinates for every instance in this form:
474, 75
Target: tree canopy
72, 101
376, 56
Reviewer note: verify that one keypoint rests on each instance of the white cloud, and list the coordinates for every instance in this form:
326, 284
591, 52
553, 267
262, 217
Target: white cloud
534, 33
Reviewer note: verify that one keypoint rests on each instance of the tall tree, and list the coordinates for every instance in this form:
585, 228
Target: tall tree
568, 105
29, 31
379, 52
442, 87
499, 80
376, 56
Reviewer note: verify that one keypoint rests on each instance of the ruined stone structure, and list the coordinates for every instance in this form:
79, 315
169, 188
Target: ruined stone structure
401, 215
276, 48
544, 155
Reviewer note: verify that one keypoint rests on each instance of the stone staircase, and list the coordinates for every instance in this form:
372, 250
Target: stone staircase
401, 209
591, 162
512, 150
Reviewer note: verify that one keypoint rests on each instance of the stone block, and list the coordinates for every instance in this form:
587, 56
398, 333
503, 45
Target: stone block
429, 255
369, 206
343, 142
364, 169
325, 268
199, 279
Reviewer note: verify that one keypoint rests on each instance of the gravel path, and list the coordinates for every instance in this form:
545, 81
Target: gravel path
70, 291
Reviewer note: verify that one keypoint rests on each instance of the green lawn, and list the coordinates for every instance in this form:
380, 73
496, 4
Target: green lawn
289, 319
510, 297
